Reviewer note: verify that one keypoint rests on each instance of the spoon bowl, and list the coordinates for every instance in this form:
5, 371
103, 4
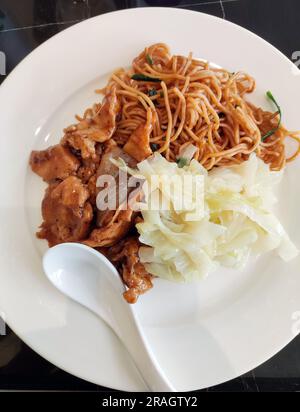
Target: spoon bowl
86, 276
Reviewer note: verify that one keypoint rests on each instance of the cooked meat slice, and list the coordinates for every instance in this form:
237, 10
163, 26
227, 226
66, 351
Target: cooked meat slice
116, 226
57, 162
106, 167
138, 145
100, 124
134, 274
66, 212
72, 193
113, 151
106, 117
85, 145
137, 279
113, 225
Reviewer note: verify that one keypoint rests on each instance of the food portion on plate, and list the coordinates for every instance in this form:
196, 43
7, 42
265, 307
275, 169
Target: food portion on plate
180, 120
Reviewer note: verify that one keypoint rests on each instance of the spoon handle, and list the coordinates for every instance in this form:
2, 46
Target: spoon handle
136, 343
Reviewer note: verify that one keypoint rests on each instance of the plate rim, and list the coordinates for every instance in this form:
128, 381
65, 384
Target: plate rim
36, 51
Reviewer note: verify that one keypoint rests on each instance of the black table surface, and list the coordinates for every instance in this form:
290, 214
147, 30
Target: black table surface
26, 24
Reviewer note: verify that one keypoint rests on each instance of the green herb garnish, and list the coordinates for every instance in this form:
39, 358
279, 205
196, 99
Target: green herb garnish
152, 92
271, 132
154, 147
143, 78
149, 59
181, 162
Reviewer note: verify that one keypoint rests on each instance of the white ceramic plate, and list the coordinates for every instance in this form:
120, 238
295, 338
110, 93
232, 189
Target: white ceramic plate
203, 334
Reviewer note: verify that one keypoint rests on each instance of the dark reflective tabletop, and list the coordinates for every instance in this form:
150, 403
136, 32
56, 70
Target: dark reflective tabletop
26, 24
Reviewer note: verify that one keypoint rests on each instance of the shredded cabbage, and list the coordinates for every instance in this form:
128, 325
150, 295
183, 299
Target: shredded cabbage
232, 220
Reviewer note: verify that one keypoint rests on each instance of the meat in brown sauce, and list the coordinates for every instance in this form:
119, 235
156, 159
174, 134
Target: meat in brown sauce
100, 123
85, 145
112, 232
56, 162
113, 152
66, 212
106, 118
69, 207
112, 225
137, 279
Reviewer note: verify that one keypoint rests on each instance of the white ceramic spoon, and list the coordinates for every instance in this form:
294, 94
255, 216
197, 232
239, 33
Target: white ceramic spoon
88, 277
